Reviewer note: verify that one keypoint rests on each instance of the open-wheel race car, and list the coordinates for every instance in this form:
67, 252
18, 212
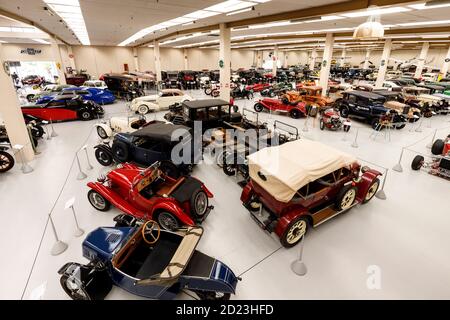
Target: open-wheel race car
439, 165
149, 262
294, 109
6, 159
151, 193
331, 119
302, 184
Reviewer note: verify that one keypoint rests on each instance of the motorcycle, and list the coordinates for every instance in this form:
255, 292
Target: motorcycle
241, 92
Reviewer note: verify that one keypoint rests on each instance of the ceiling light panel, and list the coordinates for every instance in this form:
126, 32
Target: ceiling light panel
412, 24
230, 5
70, 12
424, 6
41, 41
371, 12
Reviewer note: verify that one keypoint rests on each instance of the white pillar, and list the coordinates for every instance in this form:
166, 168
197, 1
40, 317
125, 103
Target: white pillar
343, 54
259, 59
312, 62
157, 61
326, 63
285, 61
12, 115
446, 64
58, 60
136, 59
71, 58
366, 60
185, 54
225, 62
275, 61
422, 57
384, 63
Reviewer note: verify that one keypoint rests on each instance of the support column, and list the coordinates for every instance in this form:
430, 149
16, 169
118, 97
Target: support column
225, 62
422, 57
312, 62
275, 61
157, 61
12, 115
343, 55
71, 58
259, 59
326, 63
366, 60
185, 54
384, 63
446, 64
136, 59
285, 61
58, 60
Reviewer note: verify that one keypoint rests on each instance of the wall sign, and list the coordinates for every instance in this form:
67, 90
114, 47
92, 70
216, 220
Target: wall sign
30, 51
221, 63
383, 62
447, 59
324, 63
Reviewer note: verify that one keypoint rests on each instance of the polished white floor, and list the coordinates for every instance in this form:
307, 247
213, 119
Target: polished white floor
404, 238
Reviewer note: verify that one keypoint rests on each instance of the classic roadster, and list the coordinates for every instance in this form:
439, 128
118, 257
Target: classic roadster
6, 159
147, 262
158, 102
331, 120
304, 183
440, 163
295, 110
151, 194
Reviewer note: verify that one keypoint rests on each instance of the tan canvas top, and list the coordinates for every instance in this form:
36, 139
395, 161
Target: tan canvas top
172, 91
288, 167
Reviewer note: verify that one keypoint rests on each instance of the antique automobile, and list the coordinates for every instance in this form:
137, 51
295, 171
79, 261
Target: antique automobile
394, 101
32, 80
114, 125
99, 84
170, 80
302, 184
257, 87
154, 142
242, 92
158, 102
123, 85
432, 87
212, 113
35, 129
312, 95
151, 193
439, 165
369, 107
149, 262
295, 110
96, 95
63, 108
235, 90
6, 159
189, 80
210, 87
331, 119
77, 78
276, 89
203, 79
29, 93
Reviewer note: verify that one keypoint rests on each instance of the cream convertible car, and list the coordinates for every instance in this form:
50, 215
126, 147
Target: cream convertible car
160, 101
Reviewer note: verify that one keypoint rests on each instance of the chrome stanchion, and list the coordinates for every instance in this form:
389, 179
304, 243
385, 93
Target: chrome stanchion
69, 205
81, 175
355, 142
298, 266
26, 168
305, 124
430, 144
59, 246
89, 167
381, 194
398, 166
54, 134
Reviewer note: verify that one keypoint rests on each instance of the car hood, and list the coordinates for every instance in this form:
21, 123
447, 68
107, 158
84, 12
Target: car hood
152, 97
106, 240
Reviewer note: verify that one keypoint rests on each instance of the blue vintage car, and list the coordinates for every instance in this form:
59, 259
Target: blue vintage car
146, 261
99, 96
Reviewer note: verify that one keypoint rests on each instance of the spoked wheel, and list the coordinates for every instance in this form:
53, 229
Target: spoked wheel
37, 131
167, 221
103, 157
75, 290
102, 133
199, 204
6, 161
258, 107
98, 201
294, 232
143, 109
346, 198
86, 115
211, 295
321, 124
372, 190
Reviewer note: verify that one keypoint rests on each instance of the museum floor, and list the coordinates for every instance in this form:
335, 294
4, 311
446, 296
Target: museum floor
406, 236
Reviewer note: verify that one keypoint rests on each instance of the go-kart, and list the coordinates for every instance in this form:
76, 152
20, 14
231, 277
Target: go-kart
331, 120
147, 261
439, 165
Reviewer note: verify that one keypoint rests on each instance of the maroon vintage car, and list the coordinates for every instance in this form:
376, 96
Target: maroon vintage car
295, 110
257, 87
304, 183
150, 194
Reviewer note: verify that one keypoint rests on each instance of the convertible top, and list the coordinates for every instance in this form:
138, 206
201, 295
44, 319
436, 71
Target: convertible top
203, 103
160, 131
431, 86
283, 170
365, 94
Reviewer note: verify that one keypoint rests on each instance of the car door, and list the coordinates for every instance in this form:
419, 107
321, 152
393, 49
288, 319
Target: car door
140, 151
165, 100
361, 107
58, 111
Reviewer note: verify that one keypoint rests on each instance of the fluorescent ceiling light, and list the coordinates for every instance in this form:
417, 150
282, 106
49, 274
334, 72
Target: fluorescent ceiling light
370, 12
70, 12
411, 24
424, 6
431, 36
41, 41
325, 18
230, 5
1, 41
239, 11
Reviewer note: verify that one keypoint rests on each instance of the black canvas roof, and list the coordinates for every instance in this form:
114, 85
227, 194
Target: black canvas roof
387, 93
160, 131
366, 94
431, 86
205, 103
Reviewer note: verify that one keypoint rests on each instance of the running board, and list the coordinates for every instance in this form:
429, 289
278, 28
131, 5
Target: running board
329, 212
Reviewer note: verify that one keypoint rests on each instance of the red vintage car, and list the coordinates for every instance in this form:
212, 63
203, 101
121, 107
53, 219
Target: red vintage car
257, 87
150, 194
295, 110
302, 184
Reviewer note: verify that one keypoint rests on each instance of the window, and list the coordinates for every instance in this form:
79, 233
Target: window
72, 103
352, 99
213, 113
201, 114
82, 92
56, 104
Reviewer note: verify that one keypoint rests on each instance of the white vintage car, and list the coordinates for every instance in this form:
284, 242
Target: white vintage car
99, 84
160, 101
114, 125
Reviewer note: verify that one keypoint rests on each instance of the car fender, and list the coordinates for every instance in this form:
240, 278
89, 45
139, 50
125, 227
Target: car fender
365, 181
153, 106
301, 107
284, 220
168, 204
204, 188
247, 193
105, 127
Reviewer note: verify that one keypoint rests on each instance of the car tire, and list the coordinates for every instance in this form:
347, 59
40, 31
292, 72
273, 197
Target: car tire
346, 197
199, 204
373, 188
250, 95
102, 133
344, 112
143, 109
215, 93
294, 232
321, 124
37, 131
167, 221
103, 157
79, 294
98, 201
30, 97
294, 114
417, 162
85, 115
212, 295
312, 111
375, 124
169, 169
120, 151
258, 107
6, 161
438, 147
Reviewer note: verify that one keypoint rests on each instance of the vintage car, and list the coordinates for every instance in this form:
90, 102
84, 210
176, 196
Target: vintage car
189, 80
154, 142
96, 95
63, 108
151, 193
295, 110
32, 80
369, 107
302, 184
257, 87
123, 85
34, 125
277, 89
170, 80
394, 101
212, 113
149, 262
29, 93
312, 95
439, 165
239, 91
160, 101
6, 159
331, 119
106, 129
99, 84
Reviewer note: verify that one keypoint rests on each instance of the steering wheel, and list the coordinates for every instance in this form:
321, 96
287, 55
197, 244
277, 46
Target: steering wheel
148, 229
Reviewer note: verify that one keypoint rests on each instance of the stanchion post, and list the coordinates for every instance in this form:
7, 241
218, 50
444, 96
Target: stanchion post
305, 124
59, 246
89, 167
298, 266
54, 134
430, 144
81, 175
355, 142
419, 126
398, 167
70, 205
26, 168
380, 193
